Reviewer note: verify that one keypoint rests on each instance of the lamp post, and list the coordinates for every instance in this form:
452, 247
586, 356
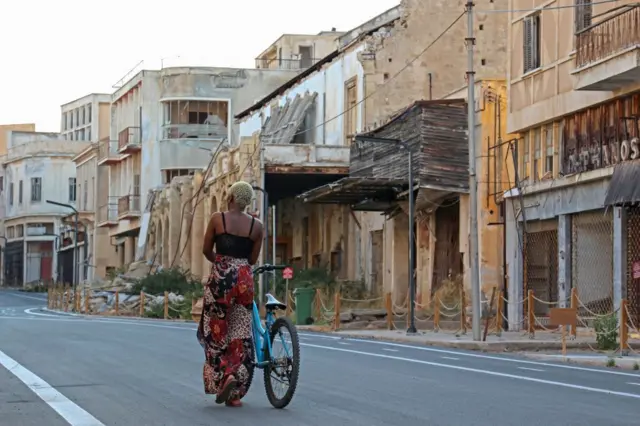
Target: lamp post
75, 244
412, 253
265, 247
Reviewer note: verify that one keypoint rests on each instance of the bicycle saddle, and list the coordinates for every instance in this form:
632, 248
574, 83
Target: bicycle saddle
273, 303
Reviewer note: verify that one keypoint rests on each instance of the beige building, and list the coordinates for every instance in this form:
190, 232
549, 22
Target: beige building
297, 52
574, 99
86, 118
166, 124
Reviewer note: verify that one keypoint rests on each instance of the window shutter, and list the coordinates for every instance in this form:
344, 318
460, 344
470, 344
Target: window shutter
583, 14
526, 44
535, 42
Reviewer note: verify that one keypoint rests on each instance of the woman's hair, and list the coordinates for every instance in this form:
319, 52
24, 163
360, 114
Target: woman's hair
242, 194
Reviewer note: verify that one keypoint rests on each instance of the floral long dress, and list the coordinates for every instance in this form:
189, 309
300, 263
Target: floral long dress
224, 331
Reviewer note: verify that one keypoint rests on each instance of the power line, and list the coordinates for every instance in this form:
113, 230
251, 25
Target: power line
543, 8
394, 76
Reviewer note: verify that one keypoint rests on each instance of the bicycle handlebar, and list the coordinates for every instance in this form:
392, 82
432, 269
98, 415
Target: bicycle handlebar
268, 268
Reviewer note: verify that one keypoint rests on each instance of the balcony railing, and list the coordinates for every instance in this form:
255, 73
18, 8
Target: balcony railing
194, 131
108, 212
107, 150
613, 34
128, 137
129, 205
285, 64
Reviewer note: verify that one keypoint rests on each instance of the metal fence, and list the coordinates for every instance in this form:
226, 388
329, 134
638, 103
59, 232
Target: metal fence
541, 264
592, 261
633, 263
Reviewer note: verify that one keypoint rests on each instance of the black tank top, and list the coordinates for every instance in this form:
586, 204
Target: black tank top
234, 245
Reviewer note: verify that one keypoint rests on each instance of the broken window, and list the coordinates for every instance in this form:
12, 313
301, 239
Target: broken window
72, 189
36, 189
306, 57
350, 110
170, 174
306, 131
548, 164
537, 154
195, 119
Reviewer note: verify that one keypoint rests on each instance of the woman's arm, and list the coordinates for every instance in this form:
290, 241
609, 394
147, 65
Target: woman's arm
209, 239
258, 236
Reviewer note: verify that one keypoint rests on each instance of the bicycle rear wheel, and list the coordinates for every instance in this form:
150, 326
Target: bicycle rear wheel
284, 368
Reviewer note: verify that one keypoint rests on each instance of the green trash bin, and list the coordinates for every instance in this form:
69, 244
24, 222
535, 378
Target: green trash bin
304, 305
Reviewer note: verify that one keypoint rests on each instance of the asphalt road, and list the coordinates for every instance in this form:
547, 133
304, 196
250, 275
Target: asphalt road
128, 372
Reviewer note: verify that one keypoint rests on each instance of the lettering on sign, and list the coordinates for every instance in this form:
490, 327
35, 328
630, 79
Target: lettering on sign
596, 155
287, 273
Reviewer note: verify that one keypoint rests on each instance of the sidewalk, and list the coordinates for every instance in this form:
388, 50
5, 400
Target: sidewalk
509, 341
631, 362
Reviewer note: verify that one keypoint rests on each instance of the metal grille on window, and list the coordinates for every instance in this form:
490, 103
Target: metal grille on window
633, 263
583, 14
541, 265
524, 174
548, 159
537, 154
592, 261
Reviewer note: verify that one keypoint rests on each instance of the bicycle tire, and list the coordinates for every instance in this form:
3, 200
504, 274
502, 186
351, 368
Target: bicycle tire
295, 370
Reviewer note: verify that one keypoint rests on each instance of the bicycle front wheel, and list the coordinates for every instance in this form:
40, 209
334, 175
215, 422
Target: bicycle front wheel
281, 375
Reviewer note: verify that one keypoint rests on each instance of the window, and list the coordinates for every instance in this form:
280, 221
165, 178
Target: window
89, 134
548, 161
84, 116
531, 43
19, 231
11, 232
72, 189
20, 192
11, 194
1, 183
537, 154
88, 113
172, 173
85, 195
136, 184
350, 110
36, 189
524, 173
71, 119
583, 14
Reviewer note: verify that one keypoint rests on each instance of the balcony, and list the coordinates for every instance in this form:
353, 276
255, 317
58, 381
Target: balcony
129, 207
107, 152
108, 213
129, 140
213, 132
607, 55
285, 64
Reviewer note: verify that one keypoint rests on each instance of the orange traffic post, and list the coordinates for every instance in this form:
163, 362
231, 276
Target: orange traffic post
117, 301
436, 312
166, 305
59, 297
142, 304
499, 309
87, 296
388, 304
574, 305
76, 305
463, 313
624, 328
289, 300
336, 325
65, 299
531, 315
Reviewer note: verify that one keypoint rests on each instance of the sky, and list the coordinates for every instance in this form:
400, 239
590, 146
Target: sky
56, 51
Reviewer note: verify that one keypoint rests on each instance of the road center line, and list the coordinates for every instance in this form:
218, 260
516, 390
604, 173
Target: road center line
634, 384
72, 413
495, 358
475, 370
452, 358
530, 369
389, 350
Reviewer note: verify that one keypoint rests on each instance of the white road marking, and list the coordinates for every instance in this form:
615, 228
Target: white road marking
41, 299
452, 358
635, 384
530, 369
495, 358
476, 370
39, 314
389, 350
72, 413
344, 343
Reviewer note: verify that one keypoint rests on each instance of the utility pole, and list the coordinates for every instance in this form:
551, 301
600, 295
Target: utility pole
473, 183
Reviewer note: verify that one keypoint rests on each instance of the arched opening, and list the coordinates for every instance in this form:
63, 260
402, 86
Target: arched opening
158, 243
165, 244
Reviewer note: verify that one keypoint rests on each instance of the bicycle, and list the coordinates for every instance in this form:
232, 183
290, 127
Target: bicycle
263, 338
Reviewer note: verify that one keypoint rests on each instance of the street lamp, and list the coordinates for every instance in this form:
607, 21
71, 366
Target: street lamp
75, 245
412, 253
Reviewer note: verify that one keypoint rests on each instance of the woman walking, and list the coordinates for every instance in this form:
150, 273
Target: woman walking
225, 326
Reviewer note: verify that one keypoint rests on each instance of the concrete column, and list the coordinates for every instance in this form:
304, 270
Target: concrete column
187, 226
129, 250
197, 236
24, 262
175, 212
514, 263
564, 260
619, 257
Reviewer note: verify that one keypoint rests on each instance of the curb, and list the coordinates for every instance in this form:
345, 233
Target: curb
531, 346
627, 365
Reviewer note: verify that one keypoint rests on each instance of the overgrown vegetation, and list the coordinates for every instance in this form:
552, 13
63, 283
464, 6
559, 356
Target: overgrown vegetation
606, 328
636, 366
611, 363
112, 274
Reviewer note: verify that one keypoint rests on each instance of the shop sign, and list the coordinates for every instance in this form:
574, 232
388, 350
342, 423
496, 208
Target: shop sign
596, 156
